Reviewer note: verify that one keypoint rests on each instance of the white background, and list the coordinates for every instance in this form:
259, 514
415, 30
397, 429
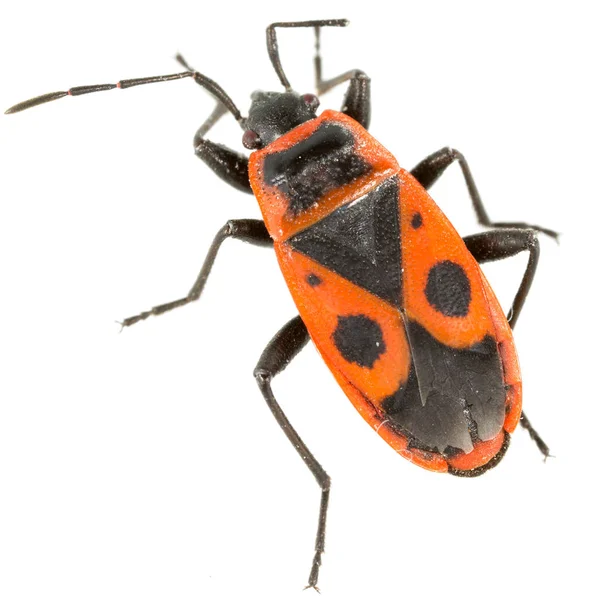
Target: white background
146, 465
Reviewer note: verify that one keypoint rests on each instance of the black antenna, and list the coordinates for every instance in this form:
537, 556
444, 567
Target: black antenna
207, 83
272, 45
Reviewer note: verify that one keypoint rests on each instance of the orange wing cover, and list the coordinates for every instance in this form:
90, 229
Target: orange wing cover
393, 300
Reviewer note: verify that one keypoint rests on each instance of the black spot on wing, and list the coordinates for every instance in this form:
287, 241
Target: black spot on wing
452, 398
361, 242
448, 289
313, 280
324, 161
359, 340
416, 221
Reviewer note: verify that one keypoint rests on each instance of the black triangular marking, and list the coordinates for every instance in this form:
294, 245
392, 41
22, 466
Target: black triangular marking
361, 242
353, 224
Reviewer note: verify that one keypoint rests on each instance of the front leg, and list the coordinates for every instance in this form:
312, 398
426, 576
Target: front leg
231, 166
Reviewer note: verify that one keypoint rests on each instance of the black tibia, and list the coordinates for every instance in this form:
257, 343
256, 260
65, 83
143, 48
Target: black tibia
356, 103
429, 170
247, 230
535, 436
503, 243
231, 166
279, 352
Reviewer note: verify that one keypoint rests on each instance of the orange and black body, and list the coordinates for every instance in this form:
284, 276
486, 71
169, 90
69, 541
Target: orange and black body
393, 298
390, 295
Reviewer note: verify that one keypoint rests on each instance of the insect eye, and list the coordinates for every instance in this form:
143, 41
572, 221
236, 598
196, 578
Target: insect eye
251, 140
311, 100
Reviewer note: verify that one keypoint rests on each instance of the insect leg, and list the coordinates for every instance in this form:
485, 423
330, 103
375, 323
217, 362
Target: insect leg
536, 438
503, 243
231, 166
356, 102
279, 352
429, 170
252, 231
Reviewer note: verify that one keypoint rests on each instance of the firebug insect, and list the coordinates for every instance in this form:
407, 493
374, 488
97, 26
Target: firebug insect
391, 295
